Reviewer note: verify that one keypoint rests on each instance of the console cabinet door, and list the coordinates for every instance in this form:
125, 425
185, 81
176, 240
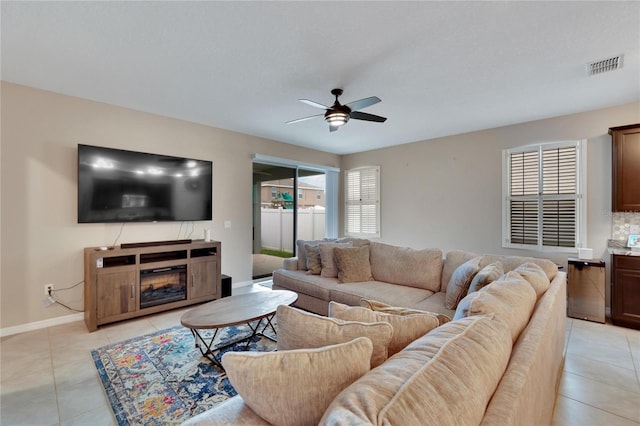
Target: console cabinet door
204, 281
116, 293
626, 168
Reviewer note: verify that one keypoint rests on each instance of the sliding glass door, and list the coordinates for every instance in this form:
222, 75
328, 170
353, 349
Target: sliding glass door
289, 203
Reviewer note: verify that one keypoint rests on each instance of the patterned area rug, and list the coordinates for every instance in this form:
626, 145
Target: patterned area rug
163, 379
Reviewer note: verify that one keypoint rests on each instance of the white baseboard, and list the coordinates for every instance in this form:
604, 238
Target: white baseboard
8, 331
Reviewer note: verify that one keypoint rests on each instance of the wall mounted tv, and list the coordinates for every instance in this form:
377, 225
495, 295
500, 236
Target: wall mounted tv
115, 185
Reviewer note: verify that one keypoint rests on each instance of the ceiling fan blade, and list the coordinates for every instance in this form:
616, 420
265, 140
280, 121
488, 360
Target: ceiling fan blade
333, 128
313, 104
304, 118
363, 103
367, 117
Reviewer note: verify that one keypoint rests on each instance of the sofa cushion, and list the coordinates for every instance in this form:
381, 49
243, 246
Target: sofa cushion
301, 283
446, 377
434, 303
302, 257
511, 298
329, 268
486, 276
406, 266
376, 305
353, 264
296, 387
406, 328
455, 258
534, 274
298, 329
355, 242
460, 281
314, 264
393, 294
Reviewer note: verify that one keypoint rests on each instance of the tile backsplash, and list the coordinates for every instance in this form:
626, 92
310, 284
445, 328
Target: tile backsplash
621, 224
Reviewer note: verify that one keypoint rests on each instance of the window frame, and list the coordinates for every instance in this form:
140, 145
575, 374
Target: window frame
366, 202
579, 196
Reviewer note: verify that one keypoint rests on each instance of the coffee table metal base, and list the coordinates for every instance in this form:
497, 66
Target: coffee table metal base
206, 344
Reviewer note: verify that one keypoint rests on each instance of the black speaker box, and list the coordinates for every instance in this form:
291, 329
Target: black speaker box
226, 285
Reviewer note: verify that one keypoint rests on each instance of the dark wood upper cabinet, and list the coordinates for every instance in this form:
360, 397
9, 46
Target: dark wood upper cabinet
626, 168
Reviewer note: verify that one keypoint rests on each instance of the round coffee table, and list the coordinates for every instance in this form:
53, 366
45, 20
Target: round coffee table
245, 308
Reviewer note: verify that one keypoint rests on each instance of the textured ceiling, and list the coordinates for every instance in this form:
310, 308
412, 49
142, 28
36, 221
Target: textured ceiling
440, 68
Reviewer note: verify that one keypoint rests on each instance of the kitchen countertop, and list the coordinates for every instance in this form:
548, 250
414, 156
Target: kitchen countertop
619, 247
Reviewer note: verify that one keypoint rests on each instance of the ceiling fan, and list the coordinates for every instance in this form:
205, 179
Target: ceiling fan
337, 115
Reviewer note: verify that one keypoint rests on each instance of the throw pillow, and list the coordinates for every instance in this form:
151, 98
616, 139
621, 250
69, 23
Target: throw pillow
487, 275
460, 281
511, 298
302, 258
298, 329
353, 264
314, 264
376, 305
329, 268
406, 328
296, 387
536, 276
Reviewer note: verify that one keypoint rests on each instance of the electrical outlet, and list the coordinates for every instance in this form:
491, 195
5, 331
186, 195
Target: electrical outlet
47, 288
634, 229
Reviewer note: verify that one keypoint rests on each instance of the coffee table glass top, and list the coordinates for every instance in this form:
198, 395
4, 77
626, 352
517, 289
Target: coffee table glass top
238, 309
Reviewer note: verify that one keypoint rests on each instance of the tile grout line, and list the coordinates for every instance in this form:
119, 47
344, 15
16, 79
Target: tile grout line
633, 360
600, 409
53, 375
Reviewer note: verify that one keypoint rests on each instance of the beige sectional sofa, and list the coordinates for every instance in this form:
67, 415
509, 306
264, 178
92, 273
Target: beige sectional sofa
498, 362
402, 277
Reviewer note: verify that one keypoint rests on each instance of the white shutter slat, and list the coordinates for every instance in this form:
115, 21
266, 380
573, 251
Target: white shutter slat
362, 202
542, 195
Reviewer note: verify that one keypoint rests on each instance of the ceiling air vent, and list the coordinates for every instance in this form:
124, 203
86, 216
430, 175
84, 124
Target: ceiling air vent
604, 65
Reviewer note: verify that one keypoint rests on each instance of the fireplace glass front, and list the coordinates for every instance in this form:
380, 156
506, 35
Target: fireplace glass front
163, 285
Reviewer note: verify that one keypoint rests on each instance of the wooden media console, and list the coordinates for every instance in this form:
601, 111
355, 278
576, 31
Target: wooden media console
124, 283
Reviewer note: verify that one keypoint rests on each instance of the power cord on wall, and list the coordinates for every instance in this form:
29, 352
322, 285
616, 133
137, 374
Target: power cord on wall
118, 237
50, 300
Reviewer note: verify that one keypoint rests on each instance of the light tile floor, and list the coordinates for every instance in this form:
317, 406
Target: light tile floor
47, 376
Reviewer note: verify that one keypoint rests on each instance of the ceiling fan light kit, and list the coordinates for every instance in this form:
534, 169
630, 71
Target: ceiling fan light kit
338, 115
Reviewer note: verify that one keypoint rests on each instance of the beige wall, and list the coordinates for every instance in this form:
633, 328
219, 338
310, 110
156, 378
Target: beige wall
446, 192
453, 183
41, 240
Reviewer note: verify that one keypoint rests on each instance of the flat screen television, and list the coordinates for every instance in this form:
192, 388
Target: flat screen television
115, 185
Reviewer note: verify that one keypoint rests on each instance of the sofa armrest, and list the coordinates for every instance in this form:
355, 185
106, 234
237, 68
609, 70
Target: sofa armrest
290, 264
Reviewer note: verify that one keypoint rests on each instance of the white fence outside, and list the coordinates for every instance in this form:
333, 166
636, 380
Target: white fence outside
277, 227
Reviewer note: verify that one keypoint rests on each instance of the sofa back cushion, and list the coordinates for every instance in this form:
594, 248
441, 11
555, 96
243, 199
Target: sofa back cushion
406, 266
298, 329
406, 328
511, 298
446, 377
296, 387
534, 274
455, 258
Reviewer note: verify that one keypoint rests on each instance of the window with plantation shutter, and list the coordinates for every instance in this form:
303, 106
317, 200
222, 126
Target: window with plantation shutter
543, 196
362, 199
